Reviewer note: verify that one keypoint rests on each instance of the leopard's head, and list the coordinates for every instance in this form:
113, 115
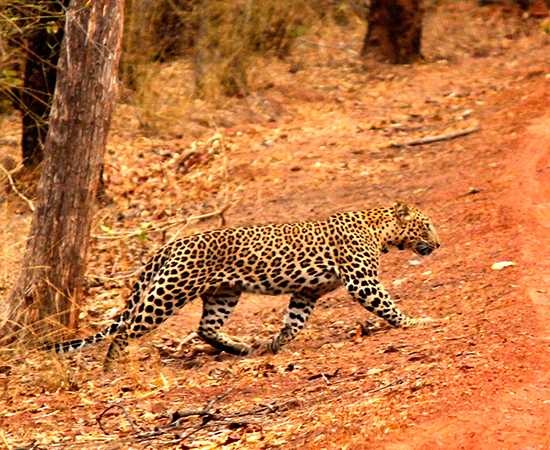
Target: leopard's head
415, 230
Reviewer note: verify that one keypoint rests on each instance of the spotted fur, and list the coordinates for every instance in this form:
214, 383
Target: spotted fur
305, 260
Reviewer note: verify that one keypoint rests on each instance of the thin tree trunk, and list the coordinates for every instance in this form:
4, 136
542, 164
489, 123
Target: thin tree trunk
394, 30
42, 48
50, 283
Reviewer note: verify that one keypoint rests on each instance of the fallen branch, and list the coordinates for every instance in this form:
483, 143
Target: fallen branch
177, 430
14, 187
166, 225
185, 341
208, 418
205, 413
128, 418
219, 212
324, 375
437, 138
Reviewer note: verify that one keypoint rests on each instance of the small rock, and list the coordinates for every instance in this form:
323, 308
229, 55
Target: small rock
502, 264
473, 190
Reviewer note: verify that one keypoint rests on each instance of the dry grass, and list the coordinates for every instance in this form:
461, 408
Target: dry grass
224, 47
20, 19
14, 220
237, 51
164, 97
453, 30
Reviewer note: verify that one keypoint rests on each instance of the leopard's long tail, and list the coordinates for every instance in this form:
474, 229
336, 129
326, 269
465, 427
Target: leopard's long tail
119, 323
78, 344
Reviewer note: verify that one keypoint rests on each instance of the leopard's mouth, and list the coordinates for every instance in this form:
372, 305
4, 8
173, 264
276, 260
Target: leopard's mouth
423, 248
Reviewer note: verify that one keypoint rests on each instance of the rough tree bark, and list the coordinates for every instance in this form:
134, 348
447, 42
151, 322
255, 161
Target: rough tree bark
50, 283
394, 30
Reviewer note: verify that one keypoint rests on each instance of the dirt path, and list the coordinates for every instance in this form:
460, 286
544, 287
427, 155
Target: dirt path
520, 415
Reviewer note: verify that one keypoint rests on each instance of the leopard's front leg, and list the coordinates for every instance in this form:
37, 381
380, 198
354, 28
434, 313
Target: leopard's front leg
372, 295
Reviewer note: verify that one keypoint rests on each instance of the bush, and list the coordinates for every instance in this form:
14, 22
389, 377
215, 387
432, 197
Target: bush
222, 37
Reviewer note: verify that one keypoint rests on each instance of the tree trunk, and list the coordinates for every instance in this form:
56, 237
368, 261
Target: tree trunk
41, 48
50, 284
394, 30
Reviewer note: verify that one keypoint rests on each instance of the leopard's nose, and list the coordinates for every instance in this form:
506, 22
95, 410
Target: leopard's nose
437, 245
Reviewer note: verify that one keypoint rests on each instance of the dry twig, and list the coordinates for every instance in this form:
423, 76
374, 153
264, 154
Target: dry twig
208, 418
437, 138
166, 225
324, 375
128, 418
14, 187
386, 386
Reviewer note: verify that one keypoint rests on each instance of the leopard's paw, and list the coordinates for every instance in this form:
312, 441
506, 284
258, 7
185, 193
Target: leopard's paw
259, 347
420, 321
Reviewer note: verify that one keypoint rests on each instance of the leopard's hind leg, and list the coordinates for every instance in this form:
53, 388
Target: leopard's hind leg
215, 311
161, 301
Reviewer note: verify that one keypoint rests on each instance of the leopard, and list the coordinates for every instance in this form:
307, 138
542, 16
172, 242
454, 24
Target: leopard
304, 260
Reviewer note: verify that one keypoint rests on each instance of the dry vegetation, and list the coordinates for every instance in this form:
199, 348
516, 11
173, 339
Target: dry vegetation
313, 135
18, 20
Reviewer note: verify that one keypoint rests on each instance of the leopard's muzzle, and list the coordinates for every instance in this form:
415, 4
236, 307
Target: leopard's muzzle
424, 249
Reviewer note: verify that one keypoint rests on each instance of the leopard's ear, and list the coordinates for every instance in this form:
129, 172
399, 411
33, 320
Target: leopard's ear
402, 212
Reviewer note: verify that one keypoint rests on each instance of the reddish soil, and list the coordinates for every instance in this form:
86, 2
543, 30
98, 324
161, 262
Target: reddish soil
479, 378
517, 415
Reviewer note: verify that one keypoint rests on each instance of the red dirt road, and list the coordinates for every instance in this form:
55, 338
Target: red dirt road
519, 416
